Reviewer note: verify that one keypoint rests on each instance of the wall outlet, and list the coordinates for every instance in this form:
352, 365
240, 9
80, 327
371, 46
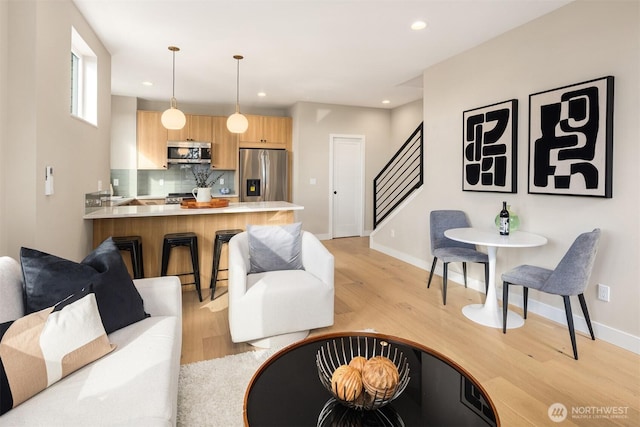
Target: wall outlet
604, 292
161, 182
221, 181
116, 182
393, 232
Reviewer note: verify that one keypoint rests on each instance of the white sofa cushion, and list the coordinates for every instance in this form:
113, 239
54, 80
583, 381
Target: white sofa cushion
135, 385
41, 348
11, 302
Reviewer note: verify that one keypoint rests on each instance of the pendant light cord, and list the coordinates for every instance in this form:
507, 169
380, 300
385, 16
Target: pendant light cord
173, 91
238, 58
238, 86
173, 102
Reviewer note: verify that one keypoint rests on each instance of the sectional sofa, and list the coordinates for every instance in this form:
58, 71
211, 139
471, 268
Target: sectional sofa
135, 384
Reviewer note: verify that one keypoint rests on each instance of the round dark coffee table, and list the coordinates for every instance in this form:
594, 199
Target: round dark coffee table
286, 391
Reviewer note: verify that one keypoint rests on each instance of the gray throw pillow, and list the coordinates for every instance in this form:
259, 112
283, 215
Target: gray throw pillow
275, 247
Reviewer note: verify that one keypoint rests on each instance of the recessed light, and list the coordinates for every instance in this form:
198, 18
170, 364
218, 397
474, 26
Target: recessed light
386, 101
147, 84
262, 94
419, 25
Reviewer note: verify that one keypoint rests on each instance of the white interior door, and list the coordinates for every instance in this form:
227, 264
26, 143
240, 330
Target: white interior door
347, 185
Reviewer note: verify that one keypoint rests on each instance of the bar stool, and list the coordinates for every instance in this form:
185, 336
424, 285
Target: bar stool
222, 237
133, 245
190, 240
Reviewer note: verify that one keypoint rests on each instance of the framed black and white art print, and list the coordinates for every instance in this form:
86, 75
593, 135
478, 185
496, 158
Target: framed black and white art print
489, 148
571, 139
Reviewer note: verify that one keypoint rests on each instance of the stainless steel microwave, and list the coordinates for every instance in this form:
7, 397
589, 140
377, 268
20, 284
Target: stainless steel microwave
188, 152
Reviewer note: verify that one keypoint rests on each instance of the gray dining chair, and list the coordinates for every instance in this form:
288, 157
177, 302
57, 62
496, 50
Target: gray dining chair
449, 250
570, 277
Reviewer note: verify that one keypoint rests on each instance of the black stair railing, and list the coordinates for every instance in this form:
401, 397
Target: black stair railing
400, 177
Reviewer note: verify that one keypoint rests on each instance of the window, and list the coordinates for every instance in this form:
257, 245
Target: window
84, 80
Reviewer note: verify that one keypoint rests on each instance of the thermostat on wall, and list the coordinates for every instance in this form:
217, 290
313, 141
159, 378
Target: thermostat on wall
48, 181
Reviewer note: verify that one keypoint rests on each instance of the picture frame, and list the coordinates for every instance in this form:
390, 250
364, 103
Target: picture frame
490, 147
571, 140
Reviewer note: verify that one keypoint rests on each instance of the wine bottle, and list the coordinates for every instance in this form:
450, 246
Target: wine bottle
504, 220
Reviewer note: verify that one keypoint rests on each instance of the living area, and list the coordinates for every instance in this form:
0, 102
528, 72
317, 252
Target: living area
524, 372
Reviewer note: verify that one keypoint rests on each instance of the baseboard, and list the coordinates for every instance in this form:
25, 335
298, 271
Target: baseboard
366, 233
603, 332
418, 262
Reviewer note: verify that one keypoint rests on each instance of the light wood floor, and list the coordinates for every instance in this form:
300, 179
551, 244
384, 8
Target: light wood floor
524, 371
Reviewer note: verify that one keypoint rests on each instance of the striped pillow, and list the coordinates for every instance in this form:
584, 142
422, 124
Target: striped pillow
39, 349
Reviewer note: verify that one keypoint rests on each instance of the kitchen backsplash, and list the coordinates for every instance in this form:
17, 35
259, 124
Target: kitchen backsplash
175, 179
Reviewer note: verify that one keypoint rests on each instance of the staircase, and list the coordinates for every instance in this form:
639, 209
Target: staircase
400, 177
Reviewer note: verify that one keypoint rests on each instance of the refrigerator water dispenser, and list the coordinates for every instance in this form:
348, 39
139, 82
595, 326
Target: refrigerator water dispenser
253, 187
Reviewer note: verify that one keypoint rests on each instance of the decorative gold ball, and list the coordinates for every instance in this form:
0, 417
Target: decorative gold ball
380, 377
358, 362
346, 383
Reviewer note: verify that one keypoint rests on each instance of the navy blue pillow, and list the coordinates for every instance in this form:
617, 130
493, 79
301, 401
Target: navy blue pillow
49, 279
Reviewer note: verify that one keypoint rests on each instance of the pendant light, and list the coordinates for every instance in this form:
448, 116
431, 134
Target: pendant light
173, 118
237, 123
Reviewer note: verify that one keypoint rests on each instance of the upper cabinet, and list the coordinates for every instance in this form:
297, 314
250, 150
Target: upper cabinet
225, 145
198, 128
151, 139
268, 132
263, 132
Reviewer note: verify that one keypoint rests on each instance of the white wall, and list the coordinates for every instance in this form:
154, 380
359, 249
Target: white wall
312, 126
582, 41
42, 132
123, 132
404, 120
4, 84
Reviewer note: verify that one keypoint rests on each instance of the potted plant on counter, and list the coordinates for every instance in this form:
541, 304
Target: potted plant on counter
202, 176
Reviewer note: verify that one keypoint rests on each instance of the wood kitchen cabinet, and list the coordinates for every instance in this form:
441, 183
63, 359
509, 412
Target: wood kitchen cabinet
151, 140
267, 132
198, 128
225, 145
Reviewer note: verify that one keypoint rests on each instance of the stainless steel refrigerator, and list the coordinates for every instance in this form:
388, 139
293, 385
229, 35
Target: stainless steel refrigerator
264, 175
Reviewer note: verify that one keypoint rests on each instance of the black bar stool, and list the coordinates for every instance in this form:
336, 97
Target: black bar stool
222, 237
133, 245
190, 240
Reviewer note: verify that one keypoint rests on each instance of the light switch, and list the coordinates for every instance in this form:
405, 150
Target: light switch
312, 181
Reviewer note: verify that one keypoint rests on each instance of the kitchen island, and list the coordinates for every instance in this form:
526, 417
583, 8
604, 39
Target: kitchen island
152, 222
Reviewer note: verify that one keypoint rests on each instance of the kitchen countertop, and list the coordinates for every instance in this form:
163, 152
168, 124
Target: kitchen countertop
155, 197
171, 210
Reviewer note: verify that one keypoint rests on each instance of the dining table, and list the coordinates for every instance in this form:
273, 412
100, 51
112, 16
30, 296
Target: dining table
489, 313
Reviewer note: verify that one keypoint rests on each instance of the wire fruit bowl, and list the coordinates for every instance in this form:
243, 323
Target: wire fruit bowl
340, 351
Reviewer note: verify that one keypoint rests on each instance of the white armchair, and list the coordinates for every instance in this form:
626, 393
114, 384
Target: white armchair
276, 308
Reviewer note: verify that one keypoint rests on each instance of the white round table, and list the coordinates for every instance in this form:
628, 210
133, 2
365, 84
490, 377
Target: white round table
489, 314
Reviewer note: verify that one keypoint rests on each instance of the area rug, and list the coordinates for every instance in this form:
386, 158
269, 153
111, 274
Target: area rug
211, 392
